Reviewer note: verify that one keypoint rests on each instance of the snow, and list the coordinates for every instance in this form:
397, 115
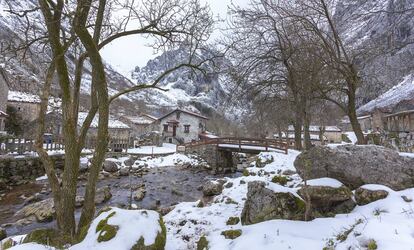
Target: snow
411, 155
351, 135
258, 148
112, 122
316, 128
388, 221
401, 92
133, 224
167, 148
32, 246
41, 178
325, 182
166, 161
16, 96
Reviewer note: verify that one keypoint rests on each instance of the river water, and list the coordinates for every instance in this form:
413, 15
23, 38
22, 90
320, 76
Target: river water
164, 186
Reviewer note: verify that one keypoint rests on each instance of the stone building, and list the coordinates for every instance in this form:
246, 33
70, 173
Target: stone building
140, 125
181, 126
4, 91
28, 105
331, 134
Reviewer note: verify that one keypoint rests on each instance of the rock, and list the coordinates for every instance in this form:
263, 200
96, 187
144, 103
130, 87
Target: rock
233, 221
83, 166
110, 166
47, 236
242, 182
139, 194
357, 165
231, 234
328, 201
3, 234
364, 196
406, 199
212, 188
264, 204
79, 201
202, 243
124, 172
228, 184
43, 211
103, 195
261, 162
129, 162
32, 199
288, 172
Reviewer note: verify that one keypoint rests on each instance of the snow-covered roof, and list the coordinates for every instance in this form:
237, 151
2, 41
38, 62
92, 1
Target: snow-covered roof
112, 123
315, 128
401, 92
292, 136
141, 119
184, 111
16, 96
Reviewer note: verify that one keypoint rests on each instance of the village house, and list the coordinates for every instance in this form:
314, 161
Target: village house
4, 91
330, 134
140, 124
181, 126
392, 115
27, 105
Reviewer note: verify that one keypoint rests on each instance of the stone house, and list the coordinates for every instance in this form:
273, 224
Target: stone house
181, 126
28, 105
140, 125
4, 91
332, 134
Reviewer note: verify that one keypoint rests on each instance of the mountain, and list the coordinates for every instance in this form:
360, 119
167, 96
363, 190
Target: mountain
382, 34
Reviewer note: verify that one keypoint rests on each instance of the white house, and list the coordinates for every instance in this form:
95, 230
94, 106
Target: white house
332, 134
181, 126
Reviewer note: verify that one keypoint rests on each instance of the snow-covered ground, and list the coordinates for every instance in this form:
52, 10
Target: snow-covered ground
166, 161
389, 222
167, 148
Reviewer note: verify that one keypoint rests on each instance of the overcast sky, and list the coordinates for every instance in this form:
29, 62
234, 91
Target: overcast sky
126, 53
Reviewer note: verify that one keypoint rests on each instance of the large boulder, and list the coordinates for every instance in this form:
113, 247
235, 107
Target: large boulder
357, 165
43, 211
212, 188
110, 166
328, 200
364, 195
265, 204
131, 229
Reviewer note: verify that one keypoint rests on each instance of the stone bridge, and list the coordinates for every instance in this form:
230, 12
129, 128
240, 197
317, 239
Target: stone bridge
219, 152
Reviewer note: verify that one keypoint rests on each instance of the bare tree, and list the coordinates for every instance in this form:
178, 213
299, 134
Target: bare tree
79, 30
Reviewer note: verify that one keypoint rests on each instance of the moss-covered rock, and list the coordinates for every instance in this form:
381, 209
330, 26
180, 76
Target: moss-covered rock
327, 201
7, 244
263, 161
364, 196
232, 234
105, 230
202, 243
264, 204
233, 221
246, 172
159, 243
279, 179
47, 236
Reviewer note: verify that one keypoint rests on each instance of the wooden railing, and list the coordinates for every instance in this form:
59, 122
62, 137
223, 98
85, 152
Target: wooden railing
240, 142
21, 146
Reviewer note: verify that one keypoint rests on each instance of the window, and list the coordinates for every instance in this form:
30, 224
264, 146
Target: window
165, 127
178, 115
186, 128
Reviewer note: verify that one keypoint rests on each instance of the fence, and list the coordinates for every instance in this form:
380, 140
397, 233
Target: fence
21, 145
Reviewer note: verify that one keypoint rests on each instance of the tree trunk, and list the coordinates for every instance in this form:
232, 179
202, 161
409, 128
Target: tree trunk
353, 118
306, 134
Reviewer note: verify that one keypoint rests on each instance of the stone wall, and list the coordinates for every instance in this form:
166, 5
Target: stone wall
17, 170
4, 90
220, 161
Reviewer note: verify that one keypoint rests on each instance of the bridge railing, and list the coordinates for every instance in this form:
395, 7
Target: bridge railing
240, 142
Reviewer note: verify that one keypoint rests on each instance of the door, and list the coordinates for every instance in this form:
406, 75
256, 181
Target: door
174, 130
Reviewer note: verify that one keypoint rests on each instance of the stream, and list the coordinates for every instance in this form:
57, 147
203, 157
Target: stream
165, 186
